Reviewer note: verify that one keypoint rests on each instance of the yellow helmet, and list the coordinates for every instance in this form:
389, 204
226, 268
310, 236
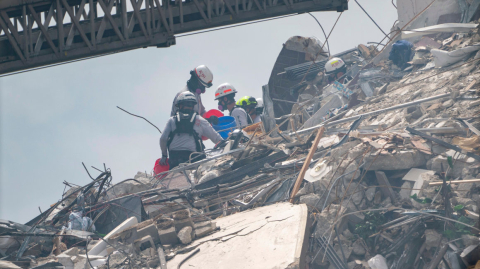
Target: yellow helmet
247, 101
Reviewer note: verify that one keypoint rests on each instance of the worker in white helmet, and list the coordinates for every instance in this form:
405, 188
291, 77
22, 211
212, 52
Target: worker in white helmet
200, 79
258, 111
336, 70
181, 139
225, 95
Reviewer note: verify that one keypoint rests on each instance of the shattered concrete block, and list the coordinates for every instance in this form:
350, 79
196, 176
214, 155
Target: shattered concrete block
65, 260
469, 240
404, 159
471, 254
462, 201
405, 190
473, 208
348, 234
349, 166
327, 217
181, 214
464, 190
432, 238
358, 248
357, 151
354, 218
127, 237
387, 202
164, 223
347, 250
180, 224
144, 243
312, 200
356, 191
339, 152
185, 235
151, 230
204, 228
142, 183
437, 162
74, 251
168, 236
370, 193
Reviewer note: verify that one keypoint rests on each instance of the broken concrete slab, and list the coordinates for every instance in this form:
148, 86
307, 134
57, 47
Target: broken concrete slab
403, 159
168, 236
148, 228
204, 228
415, 176
266, 237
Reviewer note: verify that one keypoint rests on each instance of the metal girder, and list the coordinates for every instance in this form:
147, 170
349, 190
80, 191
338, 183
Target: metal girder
41, 32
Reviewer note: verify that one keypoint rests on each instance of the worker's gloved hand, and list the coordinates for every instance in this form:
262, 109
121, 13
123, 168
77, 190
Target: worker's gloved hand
213, 120
163, 160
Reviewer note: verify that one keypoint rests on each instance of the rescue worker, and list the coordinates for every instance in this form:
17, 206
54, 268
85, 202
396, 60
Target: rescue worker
200, 79
225, 95
182, 134
249, 104
335, 70
259, 110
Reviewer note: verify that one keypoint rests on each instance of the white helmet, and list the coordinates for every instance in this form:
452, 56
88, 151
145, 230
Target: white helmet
259, 107
335, 65
224, 90
204, 75
186, 97
259, 103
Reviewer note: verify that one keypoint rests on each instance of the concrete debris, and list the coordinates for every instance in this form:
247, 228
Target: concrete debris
379, 168
185, 235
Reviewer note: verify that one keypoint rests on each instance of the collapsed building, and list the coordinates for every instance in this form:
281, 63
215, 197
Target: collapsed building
380, 172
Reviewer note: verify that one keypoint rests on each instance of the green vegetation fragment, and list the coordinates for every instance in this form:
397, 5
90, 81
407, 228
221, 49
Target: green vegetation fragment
369, 227
422, 201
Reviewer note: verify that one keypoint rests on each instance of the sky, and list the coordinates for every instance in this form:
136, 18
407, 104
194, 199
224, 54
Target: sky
54, 119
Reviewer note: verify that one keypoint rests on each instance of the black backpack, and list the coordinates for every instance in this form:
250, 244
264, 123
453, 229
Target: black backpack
184, 125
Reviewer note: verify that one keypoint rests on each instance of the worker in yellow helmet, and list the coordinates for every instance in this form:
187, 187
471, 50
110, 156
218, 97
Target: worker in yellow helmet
249, 104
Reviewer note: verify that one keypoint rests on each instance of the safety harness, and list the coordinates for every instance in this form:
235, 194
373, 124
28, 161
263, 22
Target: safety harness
184, 125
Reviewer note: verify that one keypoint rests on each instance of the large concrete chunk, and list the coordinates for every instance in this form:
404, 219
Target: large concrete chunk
274, 236
140, 183
401, 160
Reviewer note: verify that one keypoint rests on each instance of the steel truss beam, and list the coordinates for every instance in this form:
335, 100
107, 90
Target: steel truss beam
41, 32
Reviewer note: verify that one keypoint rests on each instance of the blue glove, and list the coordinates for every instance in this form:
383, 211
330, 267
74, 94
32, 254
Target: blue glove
163, 160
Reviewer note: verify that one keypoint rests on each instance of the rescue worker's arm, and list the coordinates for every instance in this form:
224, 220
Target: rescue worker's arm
164, 138
208, 131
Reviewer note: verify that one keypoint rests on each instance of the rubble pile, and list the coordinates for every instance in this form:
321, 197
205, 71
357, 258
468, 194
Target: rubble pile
387, 164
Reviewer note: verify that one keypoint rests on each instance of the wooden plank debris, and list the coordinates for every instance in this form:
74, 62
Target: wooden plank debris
306, 164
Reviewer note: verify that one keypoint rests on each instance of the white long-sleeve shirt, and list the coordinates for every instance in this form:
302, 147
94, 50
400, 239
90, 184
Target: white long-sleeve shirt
183, 141
199, 108
240, 116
